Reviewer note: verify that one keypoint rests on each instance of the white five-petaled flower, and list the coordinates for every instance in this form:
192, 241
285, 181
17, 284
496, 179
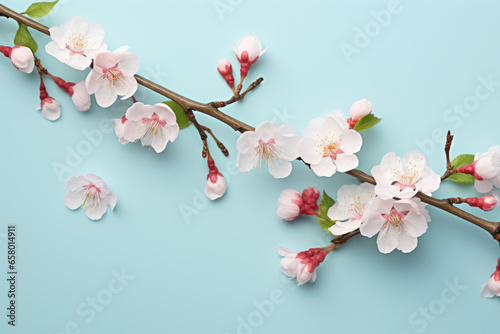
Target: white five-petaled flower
113, 75
492, 287
51, 109
153, 125
329, 147
301, 265
351, 208
274, 145
90, 192
76, 42
119, 127
398, 223
405, 177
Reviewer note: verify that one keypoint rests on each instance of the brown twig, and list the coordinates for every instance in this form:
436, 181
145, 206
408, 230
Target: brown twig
237, 96
205, 151
208, 108
217, 141
450, 170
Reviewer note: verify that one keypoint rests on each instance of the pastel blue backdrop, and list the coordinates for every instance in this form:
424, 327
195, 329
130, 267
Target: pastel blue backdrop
166, 260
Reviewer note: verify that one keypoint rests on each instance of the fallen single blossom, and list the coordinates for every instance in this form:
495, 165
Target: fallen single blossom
154, 125
90, 192
398, 223
485, 169
76, 42
113, 76
292, 204
328, 147
405, 177
302, 266
351, 208
216, 184
21, 57
274, 145
492, 287
248, 50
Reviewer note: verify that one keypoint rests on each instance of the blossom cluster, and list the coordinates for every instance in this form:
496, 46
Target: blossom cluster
328, 144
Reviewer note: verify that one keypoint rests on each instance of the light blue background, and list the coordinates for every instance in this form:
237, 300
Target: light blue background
202, 274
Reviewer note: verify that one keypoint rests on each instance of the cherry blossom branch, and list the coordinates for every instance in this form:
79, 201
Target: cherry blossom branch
210, 109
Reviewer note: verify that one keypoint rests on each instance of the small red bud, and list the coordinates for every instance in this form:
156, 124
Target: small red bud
226, 71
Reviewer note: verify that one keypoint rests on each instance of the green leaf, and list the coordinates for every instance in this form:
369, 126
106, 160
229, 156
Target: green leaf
23, 37
325, 204
459, 161
367, 122
40, 9
182, 119
325, 224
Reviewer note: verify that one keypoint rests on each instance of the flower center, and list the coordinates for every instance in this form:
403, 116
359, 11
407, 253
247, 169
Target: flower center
112, 76
394, 218
331, 149
77, 43
267, 149
153, 125
92, 194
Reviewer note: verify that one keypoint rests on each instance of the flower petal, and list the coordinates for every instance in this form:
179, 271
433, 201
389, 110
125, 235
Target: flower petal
325, 167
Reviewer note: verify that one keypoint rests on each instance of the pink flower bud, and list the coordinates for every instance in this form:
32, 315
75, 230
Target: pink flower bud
310, 197
492, 287
22, 58
248, 50
485, 203
80, 96
51, 109
216, 184
291, 204
226, 70
359, 109
470, 170
78, 92
301, 265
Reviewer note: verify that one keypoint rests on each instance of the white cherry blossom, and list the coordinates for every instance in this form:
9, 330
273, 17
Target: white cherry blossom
329, 147
154, 125
398, 223
113, 76
351, 208
405, 177
272, 145
76, 42
91, 193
